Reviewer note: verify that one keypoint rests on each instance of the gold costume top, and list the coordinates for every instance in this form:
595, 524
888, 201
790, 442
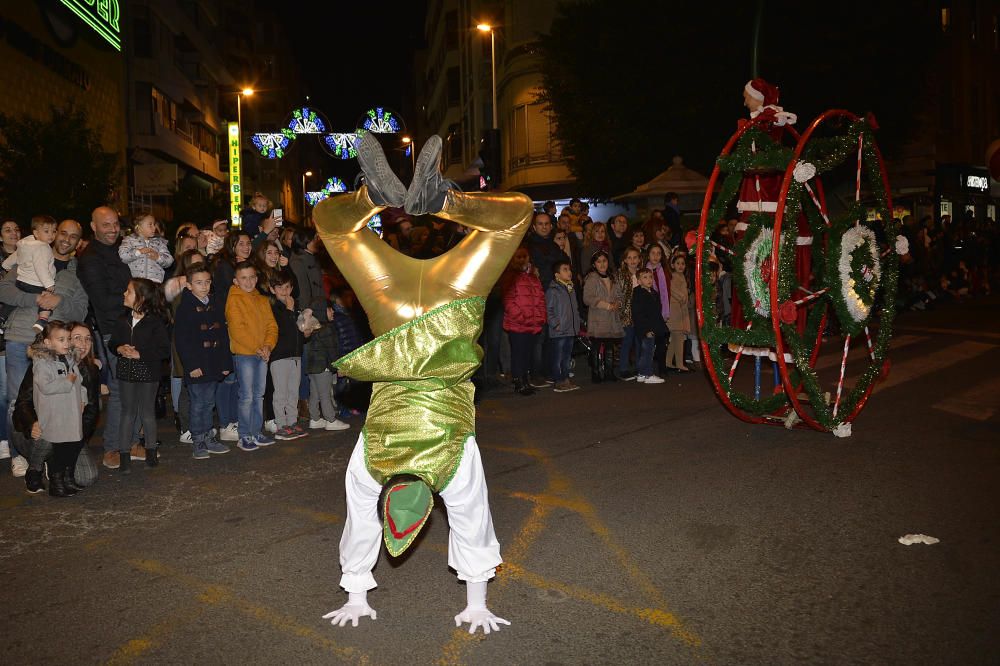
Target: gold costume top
427, 315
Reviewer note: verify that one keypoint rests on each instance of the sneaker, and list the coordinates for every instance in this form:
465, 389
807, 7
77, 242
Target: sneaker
112, 459
263, 439
271, 426
316, 424
539, 383
216, 448
627, 376
247, 444
336, 424
18, 466
230, 433
286, 433
200, 453
384, 186
137, 452
299, 429
185, 437
4, 449
652, 379
640, 379
428, 188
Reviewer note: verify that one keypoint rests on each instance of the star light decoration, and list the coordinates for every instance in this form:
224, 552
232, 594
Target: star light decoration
342, 145
380, 121
306, 121
333, 185
273, 145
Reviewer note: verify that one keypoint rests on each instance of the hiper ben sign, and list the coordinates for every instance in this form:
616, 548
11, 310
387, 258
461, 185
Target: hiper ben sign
235, 185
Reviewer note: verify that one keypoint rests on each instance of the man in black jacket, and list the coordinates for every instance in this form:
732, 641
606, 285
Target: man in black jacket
105, 277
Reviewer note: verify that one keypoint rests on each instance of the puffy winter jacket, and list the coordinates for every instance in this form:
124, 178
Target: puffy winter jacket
139, 264
523, 304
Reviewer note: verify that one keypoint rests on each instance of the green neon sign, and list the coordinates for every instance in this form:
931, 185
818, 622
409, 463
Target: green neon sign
101, 15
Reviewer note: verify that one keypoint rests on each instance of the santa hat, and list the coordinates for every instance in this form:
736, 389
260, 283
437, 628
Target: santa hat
762, 91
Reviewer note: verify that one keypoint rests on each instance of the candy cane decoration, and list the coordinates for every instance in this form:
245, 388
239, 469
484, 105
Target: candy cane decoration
739, 353
722, 247
871, 348
811, 297
843, 369
857, 188
815, 200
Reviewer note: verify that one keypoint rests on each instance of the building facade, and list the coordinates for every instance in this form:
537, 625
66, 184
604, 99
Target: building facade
53, 56
455, 89
943, 170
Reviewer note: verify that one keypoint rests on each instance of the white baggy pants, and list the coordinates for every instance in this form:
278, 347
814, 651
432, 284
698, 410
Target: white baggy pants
473, 549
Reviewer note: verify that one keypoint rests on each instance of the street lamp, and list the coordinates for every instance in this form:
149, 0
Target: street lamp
246, 92
486, 27
408, 144
307, 173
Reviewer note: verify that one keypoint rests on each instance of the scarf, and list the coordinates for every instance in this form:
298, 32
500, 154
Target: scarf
568, 285
661, 288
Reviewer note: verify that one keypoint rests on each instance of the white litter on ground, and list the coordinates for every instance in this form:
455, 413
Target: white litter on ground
910, 539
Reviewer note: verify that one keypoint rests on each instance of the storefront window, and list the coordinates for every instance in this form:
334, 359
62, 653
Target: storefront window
945, 208
991, 212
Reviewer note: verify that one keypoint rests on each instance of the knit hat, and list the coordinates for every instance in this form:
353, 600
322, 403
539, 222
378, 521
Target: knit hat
762, 91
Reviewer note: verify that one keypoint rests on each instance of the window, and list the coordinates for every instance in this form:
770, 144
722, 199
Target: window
142, 39
454, 87
451, 30
164, 109
531, 140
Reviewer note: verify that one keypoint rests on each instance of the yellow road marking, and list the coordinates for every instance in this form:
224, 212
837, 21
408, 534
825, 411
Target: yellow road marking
654, 616
137, 647
219, 595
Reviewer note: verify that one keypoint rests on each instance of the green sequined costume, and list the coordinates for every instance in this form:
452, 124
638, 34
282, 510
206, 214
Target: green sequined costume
422, 400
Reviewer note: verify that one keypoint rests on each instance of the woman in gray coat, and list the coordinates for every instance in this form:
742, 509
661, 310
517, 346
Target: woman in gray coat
604, 326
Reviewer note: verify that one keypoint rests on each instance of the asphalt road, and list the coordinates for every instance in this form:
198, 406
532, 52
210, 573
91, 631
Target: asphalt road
639, 524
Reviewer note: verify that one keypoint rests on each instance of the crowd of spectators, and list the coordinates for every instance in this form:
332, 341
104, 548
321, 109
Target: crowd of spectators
240, 326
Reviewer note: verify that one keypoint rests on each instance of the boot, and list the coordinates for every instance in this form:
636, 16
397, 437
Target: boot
152, 457
384, 188
33, 481
596, 366
70, 480
57, 484
522, 387
610, 365
428, 189
125, 466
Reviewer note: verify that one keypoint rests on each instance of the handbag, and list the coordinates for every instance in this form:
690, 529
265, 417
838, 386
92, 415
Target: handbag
135, 370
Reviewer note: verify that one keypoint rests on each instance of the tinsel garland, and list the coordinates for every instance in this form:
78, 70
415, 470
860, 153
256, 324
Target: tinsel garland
825, 154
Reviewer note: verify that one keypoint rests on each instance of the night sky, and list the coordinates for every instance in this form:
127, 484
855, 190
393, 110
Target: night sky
361, 62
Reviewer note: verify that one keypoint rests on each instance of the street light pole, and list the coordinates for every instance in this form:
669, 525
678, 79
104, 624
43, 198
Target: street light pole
305, 201
486, 27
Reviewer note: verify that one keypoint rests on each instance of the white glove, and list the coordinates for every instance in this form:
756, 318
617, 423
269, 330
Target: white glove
355, 608
476, 613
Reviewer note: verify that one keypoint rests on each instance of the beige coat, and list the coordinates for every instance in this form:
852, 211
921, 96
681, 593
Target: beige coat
679, 319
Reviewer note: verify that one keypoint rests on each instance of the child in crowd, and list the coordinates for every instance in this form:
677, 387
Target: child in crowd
564, 324
286, 357
36, 265
656, 261
59, 398
679, 321
648, 322
145, 250
604, 326
141, 342
627, 281
84, 471
523, 316
212, 238
322, 351
202, 343
253, 332
260, 208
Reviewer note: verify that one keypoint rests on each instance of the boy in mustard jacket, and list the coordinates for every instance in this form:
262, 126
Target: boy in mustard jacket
252, 335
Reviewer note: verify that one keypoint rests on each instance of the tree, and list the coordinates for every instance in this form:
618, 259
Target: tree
192, 203
633, 83
54, 167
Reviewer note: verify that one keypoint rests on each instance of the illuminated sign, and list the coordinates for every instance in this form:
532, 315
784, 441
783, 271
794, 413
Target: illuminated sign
101, 15
235, 186
981, 183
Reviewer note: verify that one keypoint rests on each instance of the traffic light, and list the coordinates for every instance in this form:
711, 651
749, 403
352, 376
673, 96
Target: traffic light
489, 153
